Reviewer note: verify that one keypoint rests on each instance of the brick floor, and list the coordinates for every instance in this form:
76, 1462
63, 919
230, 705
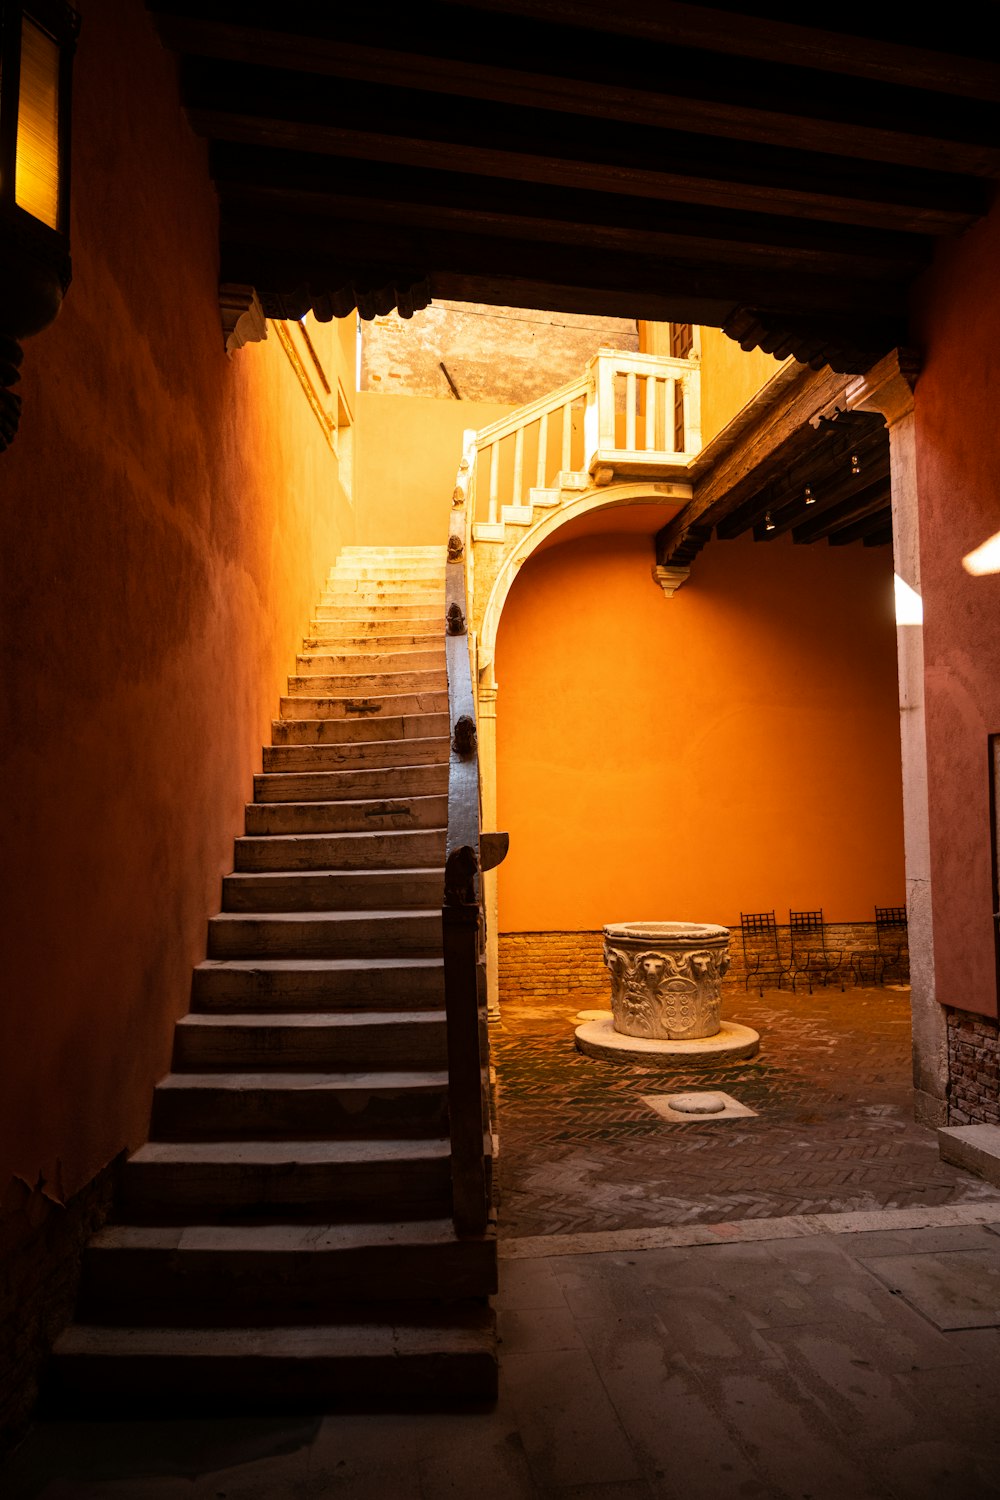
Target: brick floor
580, 1151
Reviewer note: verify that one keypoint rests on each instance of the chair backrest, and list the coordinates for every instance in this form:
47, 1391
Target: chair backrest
890, 924
807, 927
759, 932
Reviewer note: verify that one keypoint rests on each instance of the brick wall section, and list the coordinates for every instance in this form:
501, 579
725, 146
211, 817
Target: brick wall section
538, 963
973, 1069
41, 1243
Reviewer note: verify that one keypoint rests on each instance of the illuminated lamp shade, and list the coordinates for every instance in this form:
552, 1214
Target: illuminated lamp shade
37, 42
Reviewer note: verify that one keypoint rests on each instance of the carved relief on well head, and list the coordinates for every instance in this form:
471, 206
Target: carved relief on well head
670, 996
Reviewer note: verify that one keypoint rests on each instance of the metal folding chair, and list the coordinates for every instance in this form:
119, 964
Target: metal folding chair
892, 939
761, 953
812, 960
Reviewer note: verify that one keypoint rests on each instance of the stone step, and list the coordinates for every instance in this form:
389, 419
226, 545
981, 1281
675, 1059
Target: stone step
355, 1039
383, 850
314, 1367
360, 574
363, 707
290, 985
389, 550
177, 1270
344, 601
334, 890
300, 1106
171, 1182
366, 728
366, 684
369, 815
346, 934
378, 663
419, 617
404, 643
369, 627
431, 585
356, 755
365, 782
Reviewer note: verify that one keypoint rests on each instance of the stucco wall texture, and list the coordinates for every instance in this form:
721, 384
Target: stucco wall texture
958, 461
733, 748
167, 516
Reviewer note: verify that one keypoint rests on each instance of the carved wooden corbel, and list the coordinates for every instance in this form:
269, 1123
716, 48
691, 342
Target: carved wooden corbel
243, 318
460, 872
463, 740
456, 620
455, 547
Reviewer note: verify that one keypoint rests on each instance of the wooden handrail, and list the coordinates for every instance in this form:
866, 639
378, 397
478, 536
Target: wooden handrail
461, 912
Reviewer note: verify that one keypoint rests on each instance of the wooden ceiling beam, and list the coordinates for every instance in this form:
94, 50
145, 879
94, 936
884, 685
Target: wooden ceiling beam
857, 507
825, 468
822, 116
874, 530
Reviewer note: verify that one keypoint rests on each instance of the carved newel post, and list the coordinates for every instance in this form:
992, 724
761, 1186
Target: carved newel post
666, 978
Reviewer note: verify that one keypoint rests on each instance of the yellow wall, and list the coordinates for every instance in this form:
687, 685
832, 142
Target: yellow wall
729, 379
408, 452
733, 748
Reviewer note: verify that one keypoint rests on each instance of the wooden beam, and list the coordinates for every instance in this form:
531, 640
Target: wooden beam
823, 465
860, 506
690, 92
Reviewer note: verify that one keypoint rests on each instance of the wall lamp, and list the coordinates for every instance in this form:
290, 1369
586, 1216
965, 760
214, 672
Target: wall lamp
37, 42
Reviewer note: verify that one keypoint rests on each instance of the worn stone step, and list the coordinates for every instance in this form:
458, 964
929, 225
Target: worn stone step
394, 1105
386, 849
379, 586
351, 785
365, 684
389, 549
359, 660
361, 728
356, 755
368, 627
170, 1182
355, 1039
325, 934
312, 1367
176, 1271
327, 646
419, 616
361, 707
333, 890
367, 815
318, 984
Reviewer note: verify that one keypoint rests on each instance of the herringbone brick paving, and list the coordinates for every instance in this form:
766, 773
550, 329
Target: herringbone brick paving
834, 1132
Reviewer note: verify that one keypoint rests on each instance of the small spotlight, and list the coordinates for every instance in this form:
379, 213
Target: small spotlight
808, 495
855, 465
768, 523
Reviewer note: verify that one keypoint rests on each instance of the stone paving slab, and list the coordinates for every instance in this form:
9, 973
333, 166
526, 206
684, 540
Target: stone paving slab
581, 1152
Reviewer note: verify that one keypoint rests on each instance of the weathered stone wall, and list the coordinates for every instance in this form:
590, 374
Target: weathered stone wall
973, 1069
539, 963
507, 354
41, 1242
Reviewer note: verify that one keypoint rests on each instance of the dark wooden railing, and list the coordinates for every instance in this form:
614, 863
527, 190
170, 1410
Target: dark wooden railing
462, 911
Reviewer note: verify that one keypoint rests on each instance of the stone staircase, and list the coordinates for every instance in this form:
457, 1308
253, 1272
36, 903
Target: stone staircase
285, 1237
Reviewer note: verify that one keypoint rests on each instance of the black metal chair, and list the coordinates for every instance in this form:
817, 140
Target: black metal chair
762, 956
812, 960
892, 939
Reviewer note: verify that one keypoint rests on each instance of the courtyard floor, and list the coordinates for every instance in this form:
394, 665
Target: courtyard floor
581, 1151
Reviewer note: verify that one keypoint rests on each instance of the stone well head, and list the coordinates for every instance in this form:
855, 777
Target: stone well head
666, 977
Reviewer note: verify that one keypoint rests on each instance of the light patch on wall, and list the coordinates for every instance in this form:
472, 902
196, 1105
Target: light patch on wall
983, 559
909, 605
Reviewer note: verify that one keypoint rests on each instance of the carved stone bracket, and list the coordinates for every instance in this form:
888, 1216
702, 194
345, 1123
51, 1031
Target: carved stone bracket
456, 620
670, 579
243, 318
463, 740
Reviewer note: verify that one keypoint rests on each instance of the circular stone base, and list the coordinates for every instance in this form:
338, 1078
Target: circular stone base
600, 1039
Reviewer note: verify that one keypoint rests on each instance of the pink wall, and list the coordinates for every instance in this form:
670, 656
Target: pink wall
958, 462
166, 518
733, 748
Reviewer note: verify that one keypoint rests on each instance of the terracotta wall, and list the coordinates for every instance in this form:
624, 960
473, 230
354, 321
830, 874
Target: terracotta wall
958, 460
408, 452
166, 518
733, 748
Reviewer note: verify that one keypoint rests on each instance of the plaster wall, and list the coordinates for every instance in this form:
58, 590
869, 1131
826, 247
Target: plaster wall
958, 458
734, 748
408, 452
167, 516
730, 379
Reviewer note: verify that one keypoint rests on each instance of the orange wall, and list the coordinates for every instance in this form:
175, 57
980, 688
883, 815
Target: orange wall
733, 748
166, 519
958, 460
408, 452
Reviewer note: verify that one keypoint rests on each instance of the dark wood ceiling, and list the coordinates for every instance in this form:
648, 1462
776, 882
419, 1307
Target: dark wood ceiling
676, 162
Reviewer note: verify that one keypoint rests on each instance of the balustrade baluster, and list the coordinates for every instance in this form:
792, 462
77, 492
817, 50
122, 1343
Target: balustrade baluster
543, 443
651, 385
494, 451
518, 464
630, 411
567, 436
